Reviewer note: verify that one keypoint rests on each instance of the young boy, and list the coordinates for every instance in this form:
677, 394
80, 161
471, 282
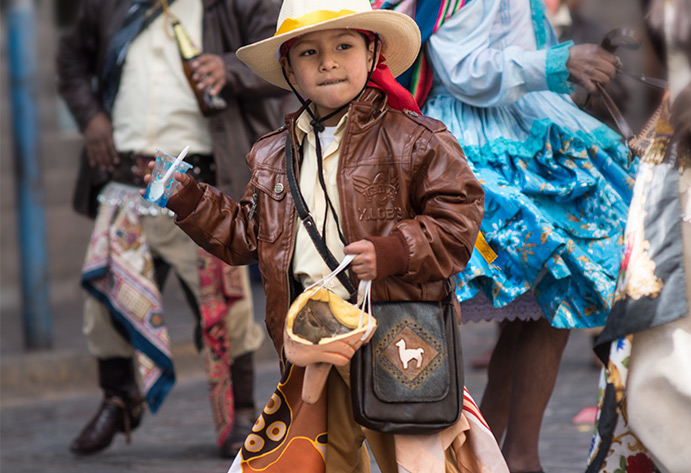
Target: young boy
382, 182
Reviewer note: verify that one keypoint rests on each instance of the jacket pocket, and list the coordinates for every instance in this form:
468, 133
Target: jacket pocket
270, 189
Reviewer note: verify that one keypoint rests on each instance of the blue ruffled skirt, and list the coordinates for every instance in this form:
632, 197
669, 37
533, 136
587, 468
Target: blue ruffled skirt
557, 190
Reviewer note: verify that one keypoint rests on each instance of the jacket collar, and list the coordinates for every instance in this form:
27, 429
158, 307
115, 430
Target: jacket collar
372, 100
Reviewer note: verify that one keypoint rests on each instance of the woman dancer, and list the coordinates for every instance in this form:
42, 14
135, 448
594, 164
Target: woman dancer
556, 187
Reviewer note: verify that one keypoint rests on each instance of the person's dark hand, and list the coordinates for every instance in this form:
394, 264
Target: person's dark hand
589, 63
98, 137
364, 265
209, 71
681, 116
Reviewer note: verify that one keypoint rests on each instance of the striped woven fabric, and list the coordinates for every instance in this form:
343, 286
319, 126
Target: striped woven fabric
429, 16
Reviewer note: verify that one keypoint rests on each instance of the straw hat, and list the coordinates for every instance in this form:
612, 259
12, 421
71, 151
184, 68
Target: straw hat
400, 34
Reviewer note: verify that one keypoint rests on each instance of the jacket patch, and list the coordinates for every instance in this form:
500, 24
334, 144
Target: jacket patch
380, 213
380, 195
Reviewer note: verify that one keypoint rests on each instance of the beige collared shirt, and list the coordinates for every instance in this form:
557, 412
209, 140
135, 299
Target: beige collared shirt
308, 265
155, 107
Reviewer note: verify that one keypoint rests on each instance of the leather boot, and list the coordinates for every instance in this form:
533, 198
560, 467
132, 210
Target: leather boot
121, 410
242, 376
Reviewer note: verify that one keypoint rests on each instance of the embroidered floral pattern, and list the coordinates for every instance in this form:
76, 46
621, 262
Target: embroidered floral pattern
557, 218
637, 273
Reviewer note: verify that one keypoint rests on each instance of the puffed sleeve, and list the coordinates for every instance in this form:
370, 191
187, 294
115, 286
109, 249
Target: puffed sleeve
478, 73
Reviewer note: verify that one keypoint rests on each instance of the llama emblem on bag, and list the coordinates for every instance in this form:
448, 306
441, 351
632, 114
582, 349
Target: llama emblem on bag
408, 354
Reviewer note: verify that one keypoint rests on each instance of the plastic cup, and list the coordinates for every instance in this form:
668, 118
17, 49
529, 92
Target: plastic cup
161, 165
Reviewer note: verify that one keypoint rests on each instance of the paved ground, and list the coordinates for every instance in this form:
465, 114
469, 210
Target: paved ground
36, 427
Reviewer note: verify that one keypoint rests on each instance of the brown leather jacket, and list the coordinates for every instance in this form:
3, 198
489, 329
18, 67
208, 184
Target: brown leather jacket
227, 25
412, 178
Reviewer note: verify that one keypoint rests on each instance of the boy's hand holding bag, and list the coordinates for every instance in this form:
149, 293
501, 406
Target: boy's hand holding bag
406, 373
322, 330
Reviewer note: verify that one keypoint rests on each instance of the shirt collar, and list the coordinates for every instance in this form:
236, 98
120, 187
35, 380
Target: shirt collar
303, 126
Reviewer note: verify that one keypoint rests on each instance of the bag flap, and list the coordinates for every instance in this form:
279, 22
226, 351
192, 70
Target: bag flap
410, 355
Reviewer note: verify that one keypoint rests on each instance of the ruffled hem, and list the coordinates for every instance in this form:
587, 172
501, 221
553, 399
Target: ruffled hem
555, 220
492, 153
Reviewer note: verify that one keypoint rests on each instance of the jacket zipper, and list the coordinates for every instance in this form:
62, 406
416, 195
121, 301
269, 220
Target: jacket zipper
255, 202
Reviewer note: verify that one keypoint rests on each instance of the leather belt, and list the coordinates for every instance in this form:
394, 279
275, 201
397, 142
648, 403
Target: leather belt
133, 167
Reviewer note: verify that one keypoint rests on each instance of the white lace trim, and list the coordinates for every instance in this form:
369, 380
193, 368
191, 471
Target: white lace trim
480, 309
123, 195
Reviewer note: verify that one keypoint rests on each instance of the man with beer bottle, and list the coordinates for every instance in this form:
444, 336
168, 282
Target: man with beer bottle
141, 76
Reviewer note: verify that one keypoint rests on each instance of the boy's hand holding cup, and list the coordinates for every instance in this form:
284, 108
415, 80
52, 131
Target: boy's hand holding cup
175, 183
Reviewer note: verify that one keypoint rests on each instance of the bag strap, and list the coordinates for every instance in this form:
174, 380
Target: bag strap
364, 293
334, 274
308, 222
140, 14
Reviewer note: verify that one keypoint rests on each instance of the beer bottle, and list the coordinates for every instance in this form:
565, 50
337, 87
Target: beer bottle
208, 103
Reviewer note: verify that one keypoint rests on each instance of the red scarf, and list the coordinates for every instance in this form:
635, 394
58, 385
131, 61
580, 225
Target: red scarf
399, 97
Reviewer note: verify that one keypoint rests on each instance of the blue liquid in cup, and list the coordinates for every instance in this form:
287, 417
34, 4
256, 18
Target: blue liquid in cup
161, 165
